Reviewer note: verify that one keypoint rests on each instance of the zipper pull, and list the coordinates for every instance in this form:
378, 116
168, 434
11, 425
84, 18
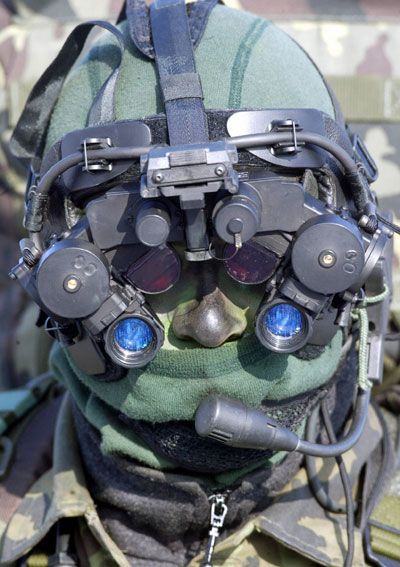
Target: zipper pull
217, 519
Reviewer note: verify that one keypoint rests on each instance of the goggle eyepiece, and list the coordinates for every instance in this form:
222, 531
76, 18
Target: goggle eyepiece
253, 264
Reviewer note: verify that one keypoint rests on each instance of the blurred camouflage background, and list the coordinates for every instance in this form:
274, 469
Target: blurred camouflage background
31, 34
355, 43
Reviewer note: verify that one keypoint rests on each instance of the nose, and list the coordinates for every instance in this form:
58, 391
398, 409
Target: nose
211, 319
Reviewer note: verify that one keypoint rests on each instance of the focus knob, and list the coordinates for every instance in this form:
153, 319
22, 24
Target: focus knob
240, 214
153, 224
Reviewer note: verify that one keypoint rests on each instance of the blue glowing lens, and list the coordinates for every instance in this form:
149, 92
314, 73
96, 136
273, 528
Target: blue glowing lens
284, 320
133, 335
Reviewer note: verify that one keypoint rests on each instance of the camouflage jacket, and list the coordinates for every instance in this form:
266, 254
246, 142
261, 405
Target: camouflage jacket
294, 530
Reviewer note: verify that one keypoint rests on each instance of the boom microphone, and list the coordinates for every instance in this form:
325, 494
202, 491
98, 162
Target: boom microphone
232, 423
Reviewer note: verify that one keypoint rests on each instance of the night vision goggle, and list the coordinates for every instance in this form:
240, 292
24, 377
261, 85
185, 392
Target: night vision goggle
277, 201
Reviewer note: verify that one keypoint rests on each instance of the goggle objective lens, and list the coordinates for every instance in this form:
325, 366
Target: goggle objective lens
133, 335
284, 320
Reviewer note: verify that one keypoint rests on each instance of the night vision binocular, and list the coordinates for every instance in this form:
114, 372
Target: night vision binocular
281, 198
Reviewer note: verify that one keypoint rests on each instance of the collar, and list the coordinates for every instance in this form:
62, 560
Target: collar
60, 493
308, 530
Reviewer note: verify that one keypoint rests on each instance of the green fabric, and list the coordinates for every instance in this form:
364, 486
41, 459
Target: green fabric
174, 384
256, 65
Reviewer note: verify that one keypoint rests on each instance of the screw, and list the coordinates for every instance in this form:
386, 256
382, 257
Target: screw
31, 257
158, 177
220, 170
327, 259
72, 284
363, 221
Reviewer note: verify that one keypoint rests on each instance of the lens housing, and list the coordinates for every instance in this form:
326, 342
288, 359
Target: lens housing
133, 340
283, 326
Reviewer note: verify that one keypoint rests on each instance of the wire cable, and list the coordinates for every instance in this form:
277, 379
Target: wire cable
356, 429
76, 158
394, 227
346, 486
273, 138
316, 486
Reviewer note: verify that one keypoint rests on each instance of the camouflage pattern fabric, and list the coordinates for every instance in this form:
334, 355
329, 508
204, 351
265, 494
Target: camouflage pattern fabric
386, 513
306, 536
17, 402
31, 34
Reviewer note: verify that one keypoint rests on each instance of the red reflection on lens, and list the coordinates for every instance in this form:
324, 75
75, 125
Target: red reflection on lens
155, 272
252, 264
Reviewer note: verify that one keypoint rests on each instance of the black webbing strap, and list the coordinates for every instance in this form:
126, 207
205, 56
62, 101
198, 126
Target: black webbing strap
180, 83
137, 14
29, 136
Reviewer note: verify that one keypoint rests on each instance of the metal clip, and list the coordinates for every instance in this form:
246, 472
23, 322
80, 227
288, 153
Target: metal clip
217, 519
285, 148
96, 144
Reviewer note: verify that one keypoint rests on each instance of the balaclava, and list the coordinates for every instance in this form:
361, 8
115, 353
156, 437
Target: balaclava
243, 62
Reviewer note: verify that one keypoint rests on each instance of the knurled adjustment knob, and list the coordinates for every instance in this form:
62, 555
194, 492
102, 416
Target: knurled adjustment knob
328, 254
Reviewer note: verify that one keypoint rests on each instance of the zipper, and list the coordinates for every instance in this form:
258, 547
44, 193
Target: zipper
218, 513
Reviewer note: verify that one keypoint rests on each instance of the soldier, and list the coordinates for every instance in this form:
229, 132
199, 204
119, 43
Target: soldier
155, 492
